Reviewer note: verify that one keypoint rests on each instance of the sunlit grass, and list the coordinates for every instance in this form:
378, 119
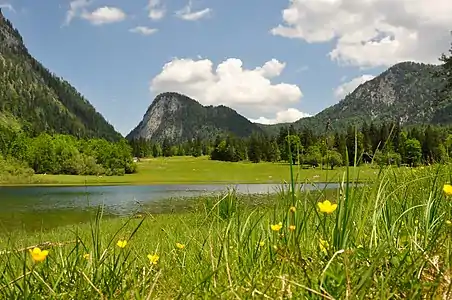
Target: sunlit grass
388, 239
185, 170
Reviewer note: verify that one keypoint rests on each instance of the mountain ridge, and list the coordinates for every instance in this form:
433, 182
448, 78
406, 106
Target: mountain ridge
37, 99
180, 118
406, 92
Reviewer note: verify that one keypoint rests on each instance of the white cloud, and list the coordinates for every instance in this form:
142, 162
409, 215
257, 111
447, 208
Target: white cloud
286, 116
156, 10
249, 91
187, 14
7, 6
370, 33
74, 9
143, 30
346, 88
104, 15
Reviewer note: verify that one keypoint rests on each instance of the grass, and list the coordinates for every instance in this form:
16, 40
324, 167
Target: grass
388, 239
190, 170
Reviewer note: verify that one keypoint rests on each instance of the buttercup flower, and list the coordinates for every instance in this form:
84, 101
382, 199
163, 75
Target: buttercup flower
86, 256
292, 227
276, 227
323, 245
447, 188
327, 207
293, 209
38, 255
153, 258
180, 246
121, 244
262, 243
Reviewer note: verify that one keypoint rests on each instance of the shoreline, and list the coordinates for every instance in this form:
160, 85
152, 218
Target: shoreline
90, 184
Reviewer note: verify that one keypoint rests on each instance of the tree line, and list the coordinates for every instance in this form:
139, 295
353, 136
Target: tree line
63, 154
383, 144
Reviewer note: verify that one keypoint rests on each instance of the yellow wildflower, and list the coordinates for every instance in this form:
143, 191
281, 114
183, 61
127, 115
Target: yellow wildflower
323, 245
293, 209
262, 243
447, 188
180, 246
276, 227
292, 227
86, 256
121, 244
153, 258
449, 222
327, 207
38, 254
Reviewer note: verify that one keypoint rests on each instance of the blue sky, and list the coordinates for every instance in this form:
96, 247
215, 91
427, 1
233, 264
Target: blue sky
317, 55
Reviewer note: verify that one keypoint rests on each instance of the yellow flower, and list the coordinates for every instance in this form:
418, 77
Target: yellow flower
447, 188
38, 254
86, 256
449, 222
180, 246
327, 207
121, 244
276, 227
153, 258
323, 245
293, 209
262, 243
292, 227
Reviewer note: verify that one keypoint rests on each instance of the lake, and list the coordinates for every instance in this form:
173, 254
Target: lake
44, 207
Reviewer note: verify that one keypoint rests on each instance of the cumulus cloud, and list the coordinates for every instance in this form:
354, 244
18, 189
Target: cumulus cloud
249, 91
104, 15
101, 15
187, 14
286, 116
346, 88
143, 30
369, 33
156, 10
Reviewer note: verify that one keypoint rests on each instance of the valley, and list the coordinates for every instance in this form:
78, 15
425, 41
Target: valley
198, 202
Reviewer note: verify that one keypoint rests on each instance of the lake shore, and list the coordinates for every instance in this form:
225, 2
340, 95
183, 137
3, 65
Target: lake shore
201, 170
289, 245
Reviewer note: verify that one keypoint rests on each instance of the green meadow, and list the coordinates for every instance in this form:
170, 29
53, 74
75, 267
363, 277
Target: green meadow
186, 170
388, 239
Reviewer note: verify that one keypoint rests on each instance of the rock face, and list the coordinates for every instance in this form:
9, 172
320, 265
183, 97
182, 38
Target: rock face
34, 99
180, 118
406, 93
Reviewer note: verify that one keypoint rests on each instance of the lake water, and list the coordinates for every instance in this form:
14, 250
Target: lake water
44, 207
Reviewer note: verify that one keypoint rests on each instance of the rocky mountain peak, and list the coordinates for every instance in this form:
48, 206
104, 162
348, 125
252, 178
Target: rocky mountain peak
179, 118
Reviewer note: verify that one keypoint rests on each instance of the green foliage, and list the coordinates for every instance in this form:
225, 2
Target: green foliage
65, 154
333, 159
413, 151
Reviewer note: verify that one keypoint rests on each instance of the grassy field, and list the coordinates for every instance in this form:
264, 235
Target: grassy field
388, 239
186, 170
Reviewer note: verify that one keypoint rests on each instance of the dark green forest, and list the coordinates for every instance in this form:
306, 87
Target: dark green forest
382, 144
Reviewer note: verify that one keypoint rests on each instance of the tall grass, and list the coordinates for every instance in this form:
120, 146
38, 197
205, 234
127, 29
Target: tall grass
388, 239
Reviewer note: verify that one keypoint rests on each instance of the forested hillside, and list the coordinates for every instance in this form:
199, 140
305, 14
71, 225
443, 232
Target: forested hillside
34, 99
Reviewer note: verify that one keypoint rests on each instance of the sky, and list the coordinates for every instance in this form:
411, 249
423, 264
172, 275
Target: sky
270, 60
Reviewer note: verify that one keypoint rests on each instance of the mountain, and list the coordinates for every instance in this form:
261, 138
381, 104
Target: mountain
180, 118
407, 92
34, 99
